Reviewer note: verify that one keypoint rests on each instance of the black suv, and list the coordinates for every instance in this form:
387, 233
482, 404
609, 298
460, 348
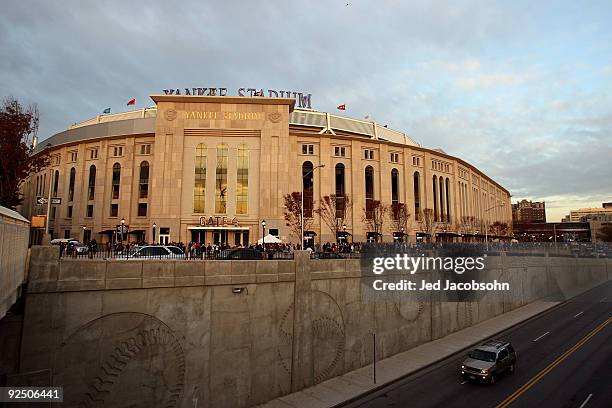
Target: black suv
488, 361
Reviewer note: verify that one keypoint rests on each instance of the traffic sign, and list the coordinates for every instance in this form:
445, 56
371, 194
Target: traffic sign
42, 200
122, 229
56, 200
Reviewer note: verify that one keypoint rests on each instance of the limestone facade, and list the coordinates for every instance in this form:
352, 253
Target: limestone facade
254, 150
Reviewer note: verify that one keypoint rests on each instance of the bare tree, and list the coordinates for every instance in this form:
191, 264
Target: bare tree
399, 217
374, 217
429, 226
293, 215
334, 210
498, 228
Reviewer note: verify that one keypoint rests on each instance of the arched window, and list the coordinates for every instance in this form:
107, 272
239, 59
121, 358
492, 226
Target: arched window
394, 187
417, 195
340, 190
71, 182
91, 189
221, 180
442, 210
143, 180
369, 190
448, 207
199, 184
55, 183
435, 197
116, 181
308, 188
242, 180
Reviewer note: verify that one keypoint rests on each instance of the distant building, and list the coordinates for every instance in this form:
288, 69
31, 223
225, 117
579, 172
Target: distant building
529, 211
586, 214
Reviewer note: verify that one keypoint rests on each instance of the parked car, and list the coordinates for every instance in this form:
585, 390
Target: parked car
242, 254
488, 361
155, 252
327, 255
74, 247
65, 241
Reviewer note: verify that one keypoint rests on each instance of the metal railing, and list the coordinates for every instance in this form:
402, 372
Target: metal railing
159, 253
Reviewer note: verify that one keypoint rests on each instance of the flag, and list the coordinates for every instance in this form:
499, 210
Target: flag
342, 107
107, 110
132, 102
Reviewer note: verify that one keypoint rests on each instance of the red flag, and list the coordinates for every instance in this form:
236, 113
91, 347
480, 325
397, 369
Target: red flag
342, 107
132, 102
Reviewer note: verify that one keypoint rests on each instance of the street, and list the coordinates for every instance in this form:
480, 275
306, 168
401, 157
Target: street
564, 360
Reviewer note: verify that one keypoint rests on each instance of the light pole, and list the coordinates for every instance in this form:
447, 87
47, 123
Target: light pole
487, 223
154, 226
84, 229
263, 236
302, 206
47, 237
122, 226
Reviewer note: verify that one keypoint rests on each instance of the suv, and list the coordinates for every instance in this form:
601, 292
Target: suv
488, 361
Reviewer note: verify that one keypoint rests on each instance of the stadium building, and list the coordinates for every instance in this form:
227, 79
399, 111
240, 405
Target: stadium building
213, 168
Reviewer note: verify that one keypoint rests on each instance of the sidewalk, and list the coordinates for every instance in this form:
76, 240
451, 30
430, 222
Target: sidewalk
355, 383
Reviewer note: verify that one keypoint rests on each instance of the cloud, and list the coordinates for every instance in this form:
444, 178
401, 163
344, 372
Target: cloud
503, 85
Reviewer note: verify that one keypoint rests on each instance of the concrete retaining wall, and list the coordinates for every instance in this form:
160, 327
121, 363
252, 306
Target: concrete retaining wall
14, 232
236, 334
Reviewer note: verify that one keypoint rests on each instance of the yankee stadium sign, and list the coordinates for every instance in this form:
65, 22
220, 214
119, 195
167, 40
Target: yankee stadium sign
302, 99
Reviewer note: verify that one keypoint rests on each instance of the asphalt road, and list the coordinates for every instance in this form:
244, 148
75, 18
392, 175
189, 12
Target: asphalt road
564, 360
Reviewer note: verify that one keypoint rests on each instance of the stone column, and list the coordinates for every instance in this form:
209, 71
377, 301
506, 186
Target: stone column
302, 367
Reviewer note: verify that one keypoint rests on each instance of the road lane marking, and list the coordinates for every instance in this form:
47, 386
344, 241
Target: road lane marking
541, 336
576, 315
552, 365
463, 382
586, 401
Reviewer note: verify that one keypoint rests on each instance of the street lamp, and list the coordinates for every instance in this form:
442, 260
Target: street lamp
47, 236
154, 226
263, 236
122, 227
84, 229
320, 166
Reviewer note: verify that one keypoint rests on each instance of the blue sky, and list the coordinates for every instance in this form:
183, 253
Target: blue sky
522, 90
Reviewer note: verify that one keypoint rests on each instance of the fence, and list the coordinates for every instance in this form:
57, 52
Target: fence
171, 253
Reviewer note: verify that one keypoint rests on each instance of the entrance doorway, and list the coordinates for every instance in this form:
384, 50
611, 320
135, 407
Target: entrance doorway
220, 237
164, 236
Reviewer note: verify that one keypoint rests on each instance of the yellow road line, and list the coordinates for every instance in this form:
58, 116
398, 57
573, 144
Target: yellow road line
552, 365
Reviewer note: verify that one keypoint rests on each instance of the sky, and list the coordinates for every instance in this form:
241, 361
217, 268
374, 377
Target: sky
521, 89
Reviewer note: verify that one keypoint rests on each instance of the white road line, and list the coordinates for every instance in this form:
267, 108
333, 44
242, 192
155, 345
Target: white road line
586, 401
541, 336
576, 315
463, 382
